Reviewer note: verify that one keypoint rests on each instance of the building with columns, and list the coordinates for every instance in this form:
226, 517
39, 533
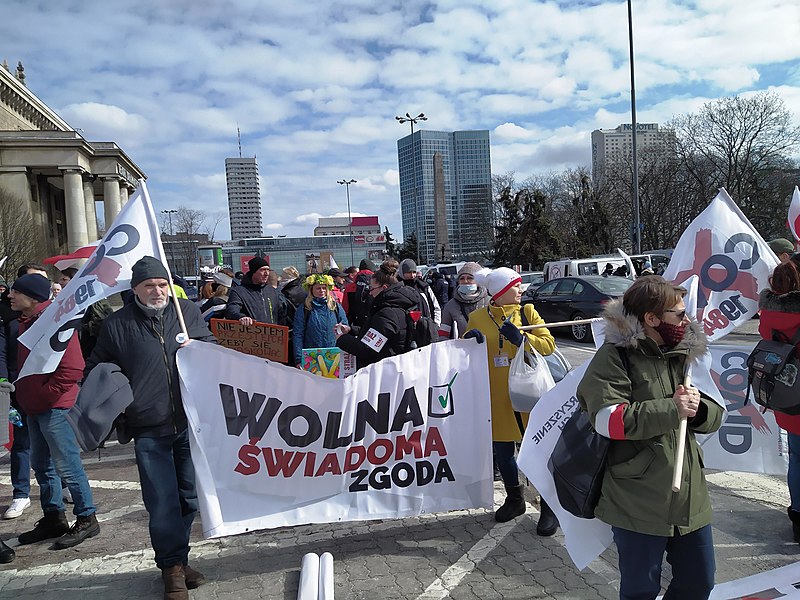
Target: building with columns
56, 174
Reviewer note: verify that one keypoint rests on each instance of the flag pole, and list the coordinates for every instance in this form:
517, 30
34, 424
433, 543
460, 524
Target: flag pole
681, 448
178, 309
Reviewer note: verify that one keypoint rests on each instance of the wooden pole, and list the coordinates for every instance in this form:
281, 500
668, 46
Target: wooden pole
560, 324
681, 448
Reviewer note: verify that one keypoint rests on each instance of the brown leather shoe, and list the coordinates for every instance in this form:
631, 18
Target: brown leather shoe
174, 578
194, 579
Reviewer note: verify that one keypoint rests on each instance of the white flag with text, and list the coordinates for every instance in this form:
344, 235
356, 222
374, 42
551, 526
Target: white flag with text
133, 234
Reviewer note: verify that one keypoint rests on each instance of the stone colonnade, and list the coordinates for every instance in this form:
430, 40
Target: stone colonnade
79, 204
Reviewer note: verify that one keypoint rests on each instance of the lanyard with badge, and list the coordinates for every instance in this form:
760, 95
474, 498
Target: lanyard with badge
501, 360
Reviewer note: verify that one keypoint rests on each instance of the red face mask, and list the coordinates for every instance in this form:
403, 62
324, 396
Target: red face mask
671, 334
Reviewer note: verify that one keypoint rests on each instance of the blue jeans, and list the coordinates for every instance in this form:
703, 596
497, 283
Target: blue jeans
640, 557
167, 476
21, 460
793, 474
506, 463
55, 456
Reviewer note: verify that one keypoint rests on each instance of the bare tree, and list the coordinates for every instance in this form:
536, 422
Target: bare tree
20, 240
187, 234
742, 144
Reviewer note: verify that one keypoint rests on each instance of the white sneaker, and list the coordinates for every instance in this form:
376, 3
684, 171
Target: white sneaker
18, 506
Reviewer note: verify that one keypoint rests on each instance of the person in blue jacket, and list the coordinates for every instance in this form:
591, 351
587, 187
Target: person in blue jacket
316, 318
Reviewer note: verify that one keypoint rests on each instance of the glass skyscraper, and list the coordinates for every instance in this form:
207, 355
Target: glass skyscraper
465, 188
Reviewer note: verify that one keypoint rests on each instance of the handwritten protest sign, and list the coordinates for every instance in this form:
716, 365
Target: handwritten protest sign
259, 339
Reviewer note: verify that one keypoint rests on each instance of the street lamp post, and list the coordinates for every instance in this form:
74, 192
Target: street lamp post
349, 218
637, 234
412, 121
169, 214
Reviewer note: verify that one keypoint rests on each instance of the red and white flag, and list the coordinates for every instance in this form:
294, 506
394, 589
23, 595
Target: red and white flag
794, 214
132, 235
64, 261
732, 261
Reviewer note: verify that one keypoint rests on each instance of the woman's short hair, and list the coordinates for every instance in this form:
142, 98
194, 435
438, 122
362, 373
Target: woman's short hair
651, 293
785, 278
387, 272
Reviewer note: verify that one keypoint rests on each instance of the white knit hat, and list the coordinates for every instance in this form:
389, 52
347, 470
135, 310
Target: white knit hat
497, 281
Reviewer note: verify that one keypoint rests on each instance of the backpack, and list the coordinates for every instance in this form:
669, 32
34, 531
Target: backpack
423, 331
772, 374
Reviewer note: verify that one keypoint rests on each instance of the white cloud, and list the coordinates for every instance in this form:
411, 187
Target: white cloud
104, 121
314, 87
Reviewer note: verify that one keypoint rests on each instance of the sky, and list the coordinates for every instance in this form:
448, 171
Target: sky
314, 86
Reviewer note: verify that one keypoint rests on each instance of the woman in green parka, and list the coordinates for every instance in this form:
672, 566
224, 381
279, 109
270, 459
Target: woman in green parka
634, 394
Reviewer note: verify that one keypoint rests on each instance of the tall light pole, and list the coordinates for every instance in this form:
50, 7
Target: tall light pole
413, 120
169, 214
349, 218
637, 235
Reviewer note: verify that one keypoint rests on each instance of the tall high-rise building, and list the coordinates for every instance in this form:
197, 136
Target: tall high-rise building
446, 193
244, 197
610, 145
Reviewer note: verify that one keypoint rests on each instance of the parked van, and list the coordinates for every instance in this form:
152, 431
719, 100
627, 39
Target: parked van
578, 267
657, 260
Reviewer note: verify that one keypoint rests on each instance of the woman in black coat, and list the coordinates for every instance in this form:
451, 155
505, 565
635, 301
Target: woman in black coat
385, 332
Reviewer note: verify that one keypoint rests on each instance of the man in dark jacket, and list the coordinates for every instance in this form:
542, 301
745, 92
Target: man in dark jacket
431, 307
254, 300
143, 338
385, 331
440, 288
357, 299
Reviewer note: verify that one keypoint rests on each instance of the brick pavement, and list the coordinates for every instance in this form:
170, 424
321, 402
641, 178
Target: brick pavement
459, 555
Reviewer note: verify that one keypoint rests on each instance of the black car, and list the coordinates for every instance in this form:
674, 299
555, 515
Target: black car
574, 298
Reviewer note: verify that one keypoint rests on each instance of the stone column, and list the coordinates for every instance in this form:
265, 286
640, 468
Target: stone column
123, 195
91, 212
110, 199
77, 235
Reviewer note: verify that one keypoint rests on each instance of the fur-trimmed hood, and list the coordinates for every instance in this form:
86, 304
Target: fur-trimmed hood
627, 332
788, 303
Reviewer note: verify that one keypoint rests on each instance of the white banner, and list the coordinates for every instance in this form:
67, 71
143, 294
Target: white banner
274, 446
747, 441
133, 234
732, 261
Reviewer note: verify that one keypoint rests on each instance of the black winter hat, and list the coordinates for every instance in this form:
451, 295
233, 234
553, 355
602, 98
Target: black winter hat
256, 263
367, 265
34, 286
148, 267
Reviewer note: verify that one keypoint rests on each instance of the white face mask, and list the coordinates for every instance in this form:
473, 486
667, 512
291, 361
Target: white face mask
467, 289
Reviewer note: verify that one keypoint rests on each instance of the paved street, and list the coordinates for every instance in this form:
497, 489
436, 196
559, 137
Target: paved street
460, 555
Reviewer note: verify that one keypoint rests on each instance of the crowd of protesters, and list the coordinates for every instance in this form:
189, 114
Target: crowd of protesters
632, 391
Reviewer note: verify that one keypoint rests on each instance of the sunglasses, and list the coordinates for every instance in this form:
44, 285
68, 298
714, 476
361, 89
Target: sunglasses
681, 314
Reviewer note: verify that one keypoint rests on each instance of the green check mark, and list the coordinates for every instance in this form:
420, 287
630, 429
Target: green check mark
443, 399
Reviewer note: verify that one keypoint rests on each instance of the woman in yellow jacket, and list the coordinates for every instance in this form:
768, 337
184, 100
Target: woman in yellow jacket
499, 323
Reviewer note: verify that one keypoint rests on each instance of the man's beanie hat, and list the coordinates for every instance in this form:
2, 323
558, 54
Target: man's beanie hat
34, 286
366, 265
148, 267
408, 266
334, 272
781, 245
255, 263
469, 268
497, 281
